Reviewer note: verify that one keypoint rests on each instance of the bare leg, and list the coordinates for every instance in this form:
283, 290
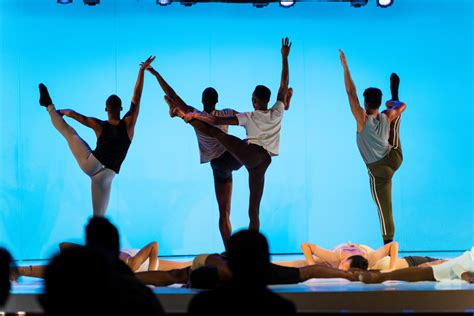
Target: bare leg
164, 278
256, 185
32, 271
224, 195
150, 252
413, 274
166, 265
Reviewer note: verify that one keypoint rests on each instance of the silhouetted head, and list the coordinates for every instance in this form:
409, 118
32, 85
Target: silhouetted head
6, 262
260, 98
354, 262
209, 99
205, 277
113, 104
101, 233
372, 98
78, 279
249, 257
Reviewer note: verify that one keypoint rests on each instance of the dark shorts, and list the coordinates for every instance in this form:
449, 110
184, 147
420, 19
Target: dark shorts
283, 275
414, 261
223, 166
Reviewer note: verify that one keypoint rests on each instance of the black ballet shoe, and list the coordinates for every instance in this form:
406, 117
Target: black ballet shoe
394, 85
45, 99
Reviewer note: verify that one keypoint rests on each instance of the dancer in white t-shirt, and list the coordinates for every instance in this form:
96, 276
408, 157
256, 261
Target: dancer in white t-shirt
263, 127
212, 151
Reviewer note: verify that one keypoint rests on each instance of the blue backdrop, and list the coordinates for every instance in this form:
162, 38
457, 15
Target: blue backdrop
317, 190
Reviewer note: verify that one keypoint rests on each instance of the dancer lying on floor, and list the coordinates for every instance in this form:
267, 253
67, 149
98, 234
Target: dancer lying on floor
138, 260
349, 255
114, 137
263, 127
459, 268
215, 266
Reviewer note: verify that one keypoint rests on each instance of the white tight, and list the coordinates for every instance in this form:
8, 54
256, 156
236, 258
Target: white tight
101, 177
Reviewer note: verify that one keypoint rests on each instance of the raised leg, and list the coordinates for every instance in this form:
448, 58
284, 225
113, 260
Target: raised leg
150, 252
394, 135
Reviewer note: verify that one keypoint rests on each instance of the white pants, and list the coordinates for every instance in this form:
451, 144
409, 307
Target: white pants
101, 177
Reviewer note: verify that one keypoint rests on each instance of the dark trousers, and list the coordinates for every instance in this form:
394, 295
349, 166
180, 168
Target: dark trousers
380, 174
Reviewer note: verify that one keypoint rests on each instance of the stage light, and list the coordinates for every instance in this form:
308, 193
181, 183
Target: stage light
188, 3
358, 3
287, 3
384, 3
164, 2
64, 1
260, 5
91, 2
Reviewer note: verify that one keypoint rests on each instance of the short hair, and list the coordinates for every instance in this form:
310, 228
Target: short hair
373, 98
6, 262
358, 262
262, 93
211, 95
249, 256
205, 277
113, 102
79, 274
101, 233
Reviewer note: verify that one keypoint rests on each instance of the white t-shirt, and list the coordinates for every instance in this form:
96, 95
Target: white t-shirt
209, 147
454, 268
263, 127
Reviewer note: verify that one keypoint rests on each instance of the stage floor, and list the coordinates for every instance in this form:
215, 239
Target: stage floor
312, 296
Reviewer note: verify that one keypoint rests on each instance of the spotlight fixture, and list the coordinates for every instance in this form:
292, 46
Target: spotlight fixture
358, 3
164, 2
384, 3
260, 4
188, 3
287, 3
64, 1
91, 2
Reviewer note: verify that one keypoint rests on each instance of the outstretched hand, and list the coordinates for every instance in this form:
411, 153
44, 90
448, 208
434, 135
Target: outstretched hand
146, 64
285, 46
343, 58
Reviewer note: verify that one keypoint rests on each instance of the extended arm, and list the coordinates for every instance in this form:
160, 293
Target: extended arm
132, 114
90, 122
211, 119
169, 91
356, 109
285, 75
394, 109
327, 255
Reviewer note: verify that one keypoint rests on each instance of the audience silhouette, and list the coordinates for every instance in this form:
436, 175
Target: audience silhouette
247, 293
